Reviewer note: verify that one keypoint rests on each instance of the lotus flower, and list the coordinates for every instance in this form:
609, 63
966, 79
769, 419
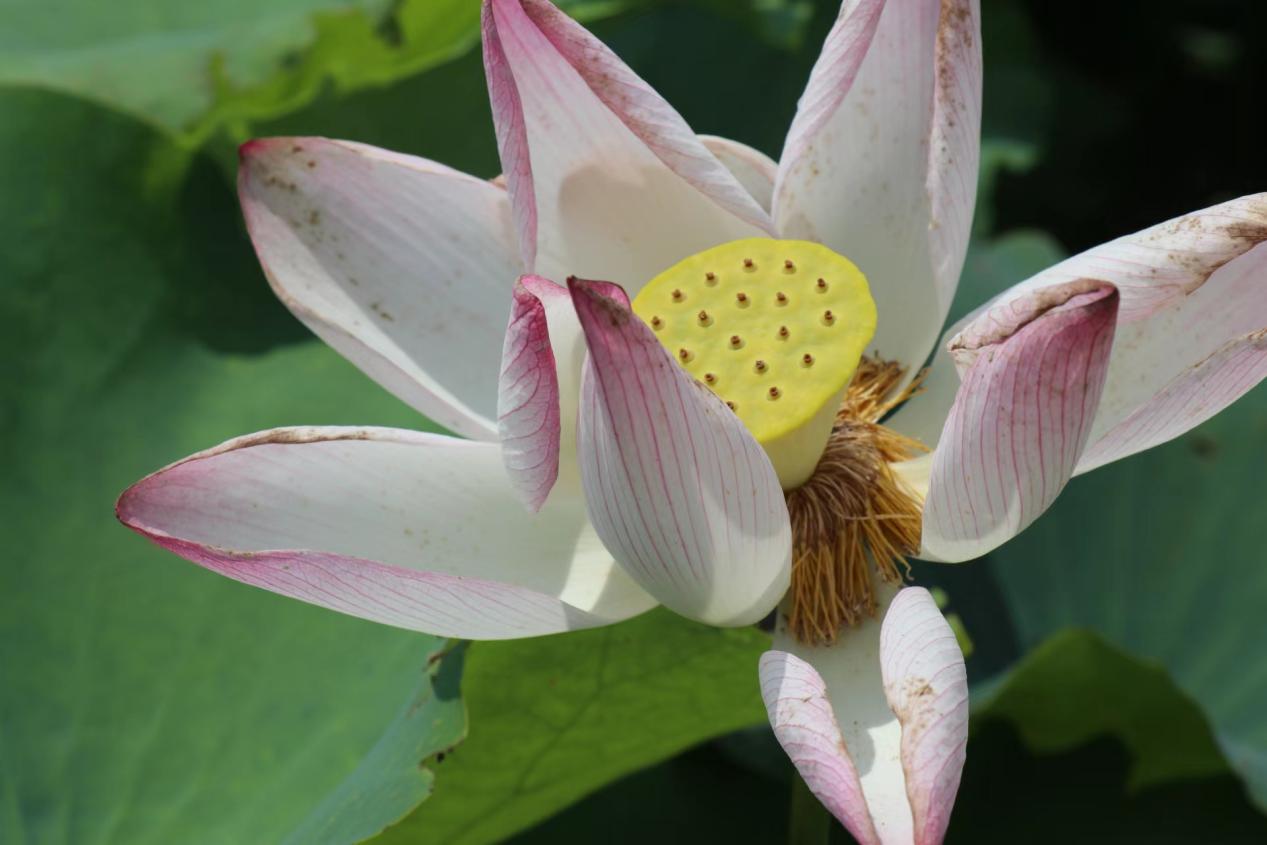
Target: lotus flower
752, 431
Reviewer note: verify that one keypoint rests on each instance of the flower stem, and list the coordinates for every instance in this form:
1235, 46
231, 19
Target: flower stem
809, 823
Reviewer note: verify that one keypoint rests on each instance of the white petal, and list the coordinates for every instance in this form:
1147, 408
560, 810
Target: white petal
876, 724
604, 175
1194, 395
755, 170
401, 264
881, 161
677, 488
1033, 369
414, 530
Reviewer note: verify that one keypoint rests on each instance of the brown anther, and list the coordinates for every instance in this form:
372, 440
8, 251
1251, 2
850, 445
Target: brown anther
781, 298
732, 406
759, 366
775, 393
829, 317
703, 317
747, 264
807, 359
710, 277
656, 322
788, 265
822, 284
709, 378
684, 354
677, 295
783, 332
742, 298
736, 341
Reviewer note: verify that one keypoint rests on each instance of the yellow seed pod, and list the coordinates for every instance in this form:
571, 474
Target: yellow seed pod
776, 329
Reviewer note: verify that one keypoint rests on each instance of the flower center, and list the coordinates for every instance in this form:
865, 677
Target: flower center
776, 329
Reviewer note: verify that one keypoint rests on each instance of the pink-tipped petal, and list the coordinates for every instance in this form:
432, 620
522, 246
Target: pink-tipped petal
414, 530
528, 398
805, 725
881, 160
1188, 336
679, 491
400, 264
755, 170
602, 171
926, 685
1032, 373
877, 722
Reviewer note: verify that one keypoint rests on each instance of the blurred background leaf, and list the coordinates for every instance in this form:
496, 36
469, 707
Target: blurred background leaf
1046, 694
145, 700
1162, 555
559, 717
191, 69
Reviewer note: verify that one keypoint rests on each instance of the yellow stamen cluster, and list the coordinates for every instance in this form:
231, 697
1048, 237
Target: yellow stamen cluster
853, 522
776, 329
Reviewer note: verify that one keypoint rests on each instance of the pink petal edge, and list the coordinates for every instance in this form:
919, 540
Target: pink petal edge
805, 725
528, 399
926, 684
